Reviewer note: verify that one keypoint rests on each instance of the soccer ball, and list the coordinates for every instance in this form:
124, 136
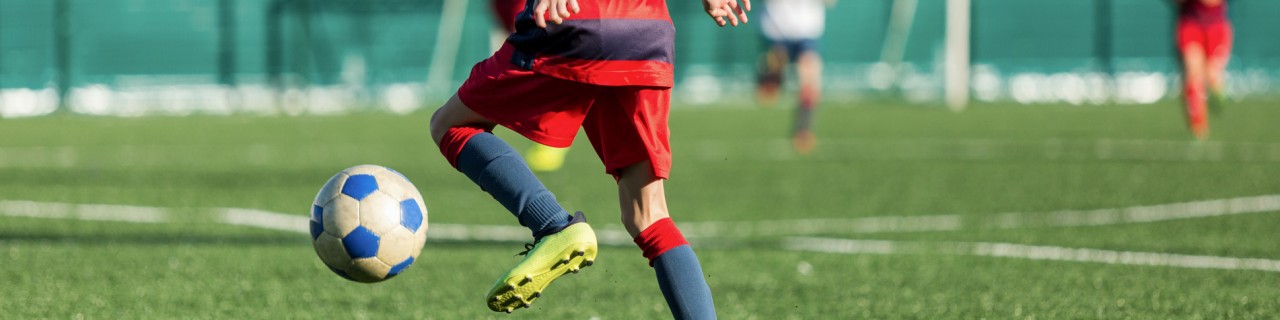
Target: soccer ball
368, 223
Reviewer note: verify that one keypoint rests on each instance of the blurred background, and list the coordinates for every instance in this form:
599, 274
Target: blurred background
138, 57
159, 158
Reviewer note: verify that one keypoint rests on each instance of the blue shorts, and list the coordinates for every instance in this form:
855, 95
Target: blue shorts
795, 47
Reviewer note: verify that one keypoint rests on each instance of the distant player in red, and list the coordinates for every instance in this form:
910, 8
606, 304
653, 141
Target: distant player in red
603, 66
1204, 39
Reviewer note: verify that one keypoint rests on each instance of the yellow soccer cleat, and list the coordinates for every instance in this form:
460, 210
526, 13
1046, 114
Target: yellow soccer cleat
568, 250
542, 158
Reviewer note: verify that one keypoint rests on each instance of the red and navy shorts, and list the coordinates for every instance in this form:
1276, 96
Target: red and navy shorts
626, 124
1214, 38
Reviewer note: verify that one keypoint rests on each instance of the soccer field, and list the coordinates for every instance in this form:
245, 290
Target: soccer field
902, 212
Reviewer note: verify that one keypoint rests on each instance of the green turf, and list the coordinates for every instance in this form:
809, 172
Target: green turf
731, 164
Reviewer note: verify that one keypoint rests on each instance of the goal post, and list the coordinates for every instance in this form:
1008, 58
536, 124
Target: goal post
957, 62
448, 38
901, 19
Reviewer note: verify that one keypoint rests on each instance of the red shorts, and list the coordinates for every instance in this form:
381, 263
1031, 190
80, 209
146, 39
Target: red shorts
1215, 38
626, 124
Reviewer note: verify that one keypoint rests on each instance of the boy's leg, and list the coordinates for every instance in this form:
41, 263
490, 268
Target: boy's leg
773, 64
1190, 43
465, 140
644, 214
1193, 67
628, 129
809, 70
562, 243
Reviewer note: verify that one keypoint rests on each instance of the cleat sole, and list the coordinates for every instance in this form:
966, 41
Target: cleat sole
525, 282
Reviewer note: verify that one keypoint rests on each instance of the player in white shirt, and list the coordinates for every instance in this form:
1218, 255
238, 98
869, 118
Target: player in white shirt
794, 30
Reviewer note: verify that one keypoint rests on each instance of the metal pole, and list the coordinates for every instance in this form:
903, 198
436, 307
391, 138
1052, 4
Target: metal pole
1103, 45
1102, 35
448, 37
274, 59
957, 54
226, 42
305, 62
62, 51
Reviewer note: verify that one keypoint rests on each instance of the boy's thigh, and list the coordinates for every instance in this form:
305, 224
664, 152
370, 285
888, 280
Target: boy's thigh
1218, 40
544, 109
628, 125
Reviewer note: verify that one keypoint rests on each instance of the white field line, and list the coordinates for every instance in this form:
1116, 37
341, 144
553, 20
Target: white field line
299, 224
101, 212
263, 219
438, 231
726, 229
268, 220
1140, 214
1063, 218
1009, 250
820, 226
993, 150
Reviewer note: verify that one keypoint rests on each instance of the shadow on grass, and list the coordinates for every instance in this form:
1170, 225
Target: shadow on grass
154, 239
170, 239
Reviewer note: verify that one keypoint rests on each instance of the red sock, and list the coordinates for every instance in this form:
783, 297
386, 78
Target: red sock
1195, 103
454, 139
658, 238
809, 96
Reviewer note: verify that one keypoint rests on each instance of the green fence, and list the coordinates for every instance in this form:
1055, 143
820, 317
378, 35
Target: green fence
323, 56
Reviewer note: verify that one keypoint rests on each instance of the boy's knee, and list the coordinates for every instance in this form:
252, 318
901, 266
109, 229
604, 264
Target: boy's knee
438, 125
454, 114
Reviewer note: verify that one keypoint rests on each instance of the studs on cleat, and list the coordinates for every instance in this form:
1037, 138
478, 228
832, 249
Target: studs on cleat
574, 270
535, 295
588, 262
508, 309
493, 298
527, 279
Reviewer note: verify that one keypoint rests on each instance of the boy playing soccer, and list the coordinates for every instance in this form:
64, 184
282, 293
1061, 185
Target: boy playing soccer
604, 66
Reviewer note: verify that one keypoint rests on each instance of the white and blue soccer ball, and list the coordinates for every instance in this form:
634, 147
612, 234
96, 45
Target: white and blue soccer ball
368, 223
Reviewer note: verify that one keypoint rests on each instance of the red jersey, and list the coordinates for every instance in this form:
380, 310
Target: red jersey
506, 11
608, 43
1199, 12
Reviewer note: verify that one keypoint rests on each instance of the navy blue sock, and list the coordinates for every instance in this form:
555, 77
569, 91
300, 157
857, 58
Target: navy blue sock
680, 278
496, 167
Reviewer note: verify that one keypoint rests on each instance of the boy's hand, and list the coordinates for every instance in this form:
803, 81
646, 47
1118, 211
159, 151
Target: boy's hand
558, 10
720, 10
